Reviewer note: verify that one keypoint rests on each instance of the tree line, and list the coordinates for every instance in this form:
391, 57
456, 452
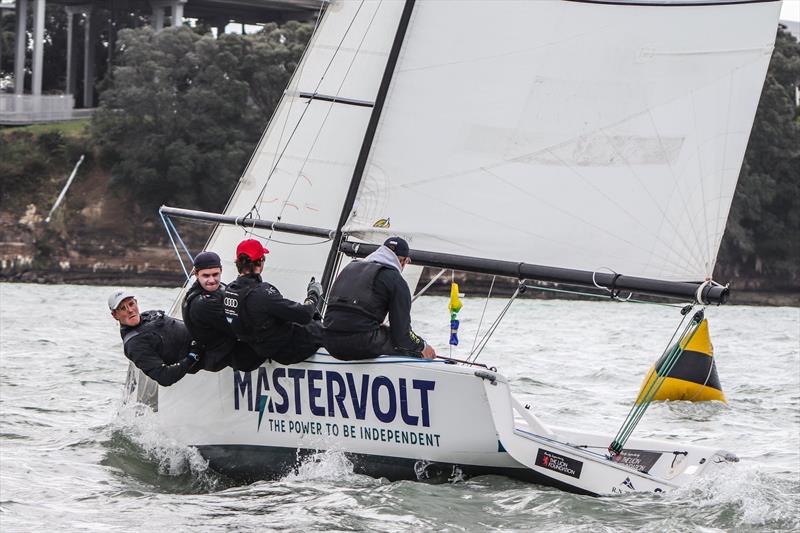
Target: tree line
182, 112
762, 238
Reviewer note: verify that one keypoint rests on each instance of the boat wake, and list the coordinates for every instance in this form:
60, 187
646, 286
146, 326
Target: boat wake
140, 448
328, 465
741, 494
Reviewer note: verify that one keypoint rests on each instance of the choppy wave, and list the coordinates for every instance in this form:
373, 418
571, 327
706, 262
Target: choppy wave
72, 458
140, 448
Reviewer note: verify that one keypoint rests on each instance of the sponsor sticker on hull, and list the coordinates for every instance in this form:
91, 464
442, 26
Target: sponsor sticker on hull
559, 463
641, 460
330, 403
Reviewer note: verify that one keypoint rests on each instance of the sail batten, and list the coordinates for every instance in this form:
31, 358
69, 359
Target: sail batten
334, 99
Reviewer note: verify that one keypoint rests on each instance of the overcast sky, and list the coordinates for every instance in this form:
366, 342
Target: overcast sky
790, 10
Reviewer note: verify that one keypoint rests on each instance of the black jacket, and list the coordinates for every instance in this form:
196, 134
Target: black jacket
390, 295
266, 323
159, 347
204, 316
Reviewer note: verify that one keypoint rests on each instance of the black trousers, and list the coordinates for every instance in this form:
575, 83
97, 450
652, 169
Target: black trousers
360, 345
304, 342
229, 353
245, 358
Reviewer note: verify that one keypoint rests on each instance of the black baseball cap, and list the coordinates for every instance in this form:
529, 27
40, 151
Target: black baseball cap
398, 246
206, 260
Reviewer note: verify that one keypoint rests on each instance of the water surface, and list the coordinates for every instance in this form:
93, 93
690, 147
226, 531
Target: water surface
72, 458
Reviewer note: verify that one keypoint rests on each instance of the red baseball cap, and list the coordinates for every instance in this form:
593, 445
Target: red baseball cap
252, 249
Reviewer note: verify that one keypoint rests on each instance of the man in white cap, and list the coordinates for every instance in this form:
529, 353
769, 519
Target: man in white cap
158, 345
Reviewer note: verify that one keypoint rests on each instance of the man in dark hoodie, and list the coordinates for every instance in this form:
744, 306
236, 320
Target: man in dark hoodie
158, 345
362, 296
204, 315
276, 328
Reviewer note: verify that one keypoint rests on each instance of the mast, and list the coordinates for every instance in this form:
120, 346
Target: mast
361, 163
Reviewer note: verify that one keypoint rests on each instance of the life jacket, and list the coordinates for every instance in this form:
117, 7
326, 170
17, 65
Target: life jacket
236, 312
175, 338
194, 291
202, 335
354, 290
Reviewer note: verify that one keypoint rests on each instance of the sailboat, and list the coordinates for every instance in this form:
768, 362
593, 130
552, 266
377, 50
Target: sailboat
590, 143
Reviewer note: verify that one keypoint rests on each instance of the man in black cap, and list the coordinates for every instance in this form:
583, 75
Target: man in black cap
275, 327
361, 297
157, 344
204, 315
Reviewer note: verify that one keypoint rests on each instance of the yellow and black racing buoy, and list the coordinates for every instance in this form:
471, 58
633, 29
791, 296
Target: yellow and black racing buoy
694, 377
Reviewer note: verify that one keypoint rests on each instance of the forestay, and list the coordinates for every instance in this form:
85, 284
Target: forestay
577, 134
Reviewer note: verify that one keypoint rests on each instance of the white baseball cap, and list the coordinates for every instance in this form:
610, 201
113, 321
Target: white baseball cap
116, 298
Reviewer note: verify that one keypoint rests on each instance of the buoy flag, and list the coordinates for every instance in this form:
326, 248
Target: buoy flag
454, 307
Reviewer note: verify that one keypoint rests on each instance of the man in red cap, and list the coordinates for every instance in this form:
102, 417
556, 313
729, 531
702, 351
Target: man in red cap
275, 327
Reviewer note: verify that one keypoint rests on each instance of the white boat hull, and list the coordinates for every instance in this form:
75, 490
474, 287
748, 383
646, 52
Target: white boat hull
404, 418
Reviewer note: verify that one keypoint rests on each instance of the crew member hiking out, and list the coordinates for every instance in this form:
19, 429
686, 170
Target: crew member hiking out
361, 297
204, 315
275, 327
159, 345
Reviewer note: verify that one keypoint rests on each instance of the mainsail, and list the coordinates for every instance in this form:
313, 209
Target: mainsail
580, 134
583, 135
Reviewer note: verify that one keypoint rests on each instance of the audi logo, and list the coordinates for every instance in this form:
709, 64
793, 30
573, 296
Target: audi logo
231, 302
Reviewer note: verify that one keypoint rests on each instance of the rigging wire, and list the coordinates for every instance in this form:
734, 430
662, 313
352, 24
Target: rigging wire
270, 239
295, 76
473, 356
483, 314
275, 157
428, 285
302, 115
330, 106
670, 355
600, 296
167, 224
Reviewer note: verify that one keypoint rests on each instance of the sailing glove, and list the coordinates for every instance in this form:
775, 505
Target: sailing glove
314, 294
194, 354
